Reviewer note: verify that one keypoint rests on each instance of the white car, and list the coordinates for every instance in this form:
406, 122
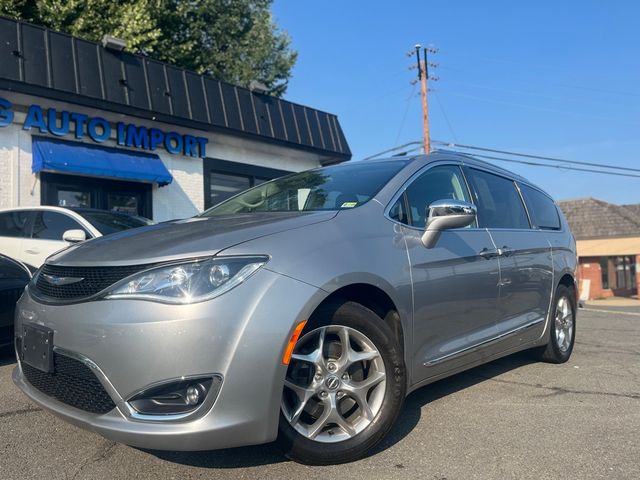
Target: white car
31, 234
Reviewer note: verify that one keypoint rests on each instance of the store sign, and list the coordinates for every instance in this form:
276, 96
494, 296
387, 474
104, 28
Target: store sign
65, 123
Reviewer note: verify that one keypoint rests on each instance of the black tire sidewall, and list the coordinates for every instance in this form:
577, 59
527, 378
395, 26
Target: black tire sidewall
353, 315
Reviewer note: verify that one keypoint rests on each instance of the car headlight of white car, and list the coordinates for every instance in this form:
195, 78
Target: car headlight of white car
188, 282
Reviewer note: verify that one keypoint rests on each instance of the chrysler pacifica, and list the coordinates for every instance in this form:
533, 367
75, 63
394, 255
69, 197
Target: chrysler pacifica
305, 308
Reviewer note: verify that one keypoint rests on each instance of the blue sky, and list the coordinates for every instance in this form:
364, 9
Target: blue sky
552, 78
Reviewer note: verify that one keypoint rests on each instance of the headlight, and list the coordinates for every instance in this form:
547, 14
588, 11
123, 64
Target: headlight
188, 282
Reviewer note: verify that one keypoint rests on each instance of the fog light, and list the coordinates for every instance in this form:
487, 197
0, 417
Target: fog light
194, 394
176, 397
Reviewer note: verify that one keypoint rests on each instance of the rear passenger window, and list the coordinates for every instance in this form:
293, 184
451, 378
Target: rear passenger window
542, 210
13, 224
499, 203
437, 183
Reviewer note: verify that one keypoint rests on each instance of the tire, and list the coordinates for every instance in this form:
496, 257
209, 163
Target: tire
342, 418
562, 328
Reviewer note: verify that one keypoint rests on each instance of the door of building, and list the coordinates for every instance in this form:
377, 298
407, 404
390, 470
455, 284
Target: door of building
133, 198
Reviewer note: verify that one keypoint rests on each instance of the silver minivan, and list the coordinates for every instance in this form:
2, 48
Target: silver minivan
306, 308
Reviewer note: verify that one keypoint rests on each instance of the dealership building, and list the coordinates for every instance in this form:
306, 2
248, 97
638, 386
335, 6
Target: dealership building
82, 124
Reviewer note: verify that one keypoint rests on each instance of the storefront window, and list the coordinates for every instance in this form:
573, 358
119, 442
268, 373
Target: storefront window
74, 198
225, 186
224, 179
118, 202
604, 271
625, 272
75, 191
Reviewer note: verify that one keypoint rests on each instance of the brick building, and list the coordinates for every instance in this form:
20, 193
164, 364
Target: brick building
92, 126
608, 243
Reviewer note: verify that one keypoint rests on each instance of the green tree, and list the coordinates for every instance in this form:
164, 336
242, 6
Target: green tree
232, 40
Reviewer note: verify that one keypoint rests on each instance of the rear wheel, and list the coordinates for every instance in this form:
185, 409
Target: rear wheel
562, 329
344, 387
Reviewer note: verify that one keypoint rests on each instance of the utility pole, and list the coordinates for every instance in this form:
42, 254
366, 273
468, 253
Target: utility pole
422, 65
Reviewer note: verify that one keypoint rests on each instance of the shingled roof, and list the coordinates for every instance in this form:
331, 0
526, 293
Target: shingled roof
634, 208
593, 218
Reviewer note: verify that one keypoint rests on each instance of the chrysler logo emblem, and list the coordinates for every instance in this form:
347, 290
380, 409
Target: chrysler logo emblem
332, 382
60, 281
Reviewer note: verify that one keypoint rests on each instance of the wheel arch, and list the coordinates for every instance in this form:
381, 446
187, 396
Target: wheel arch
375, 299
568, 280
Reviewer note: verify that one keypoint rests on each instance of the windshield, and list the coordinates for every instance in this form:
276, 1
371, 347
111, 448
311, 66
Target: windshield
111, 222
330, 188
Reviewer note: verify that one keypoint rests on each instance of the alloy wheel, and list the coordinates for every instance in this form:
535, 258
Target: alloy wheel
564, 324
335, 384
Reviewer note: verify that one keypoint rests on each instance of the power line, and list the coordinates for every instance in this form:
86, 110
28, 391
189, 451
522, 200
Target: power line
540, 109
394, 149
537, 157
559, 167
406, 111
538, 94
446, 118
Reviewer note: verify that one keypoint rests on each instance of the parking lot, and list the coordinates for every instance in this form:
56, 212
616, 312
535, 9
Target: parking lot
513, 418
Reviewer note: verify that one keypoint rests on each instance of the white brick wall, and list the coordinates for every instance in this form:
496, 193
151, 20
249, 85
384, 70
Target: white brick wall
18, 186
184, 197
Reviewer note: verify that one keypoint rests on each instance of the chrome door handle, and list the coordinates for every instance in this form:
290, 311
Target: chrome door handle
488, 254
32, 251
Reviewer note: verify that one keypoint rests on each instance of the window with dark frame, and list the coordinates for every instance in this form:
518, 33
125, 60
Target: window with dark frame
437, 183
604, 271
542, 209
223, 179
499, 203
62, 190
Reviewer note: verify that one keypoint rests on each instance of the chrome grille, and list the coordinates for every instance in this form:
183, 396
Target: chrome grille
94, 280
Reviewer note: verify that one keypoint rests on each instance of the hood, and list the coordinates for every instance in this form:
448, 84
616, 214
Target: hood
192, 237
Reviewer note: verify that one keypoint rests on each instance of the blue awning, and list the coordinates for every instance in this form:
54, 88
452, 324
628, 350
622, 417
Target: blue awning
52, 155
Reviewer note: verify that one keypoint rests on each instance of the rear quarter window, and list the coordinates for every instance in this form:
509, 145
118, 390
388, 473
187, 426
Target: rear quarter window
542, 209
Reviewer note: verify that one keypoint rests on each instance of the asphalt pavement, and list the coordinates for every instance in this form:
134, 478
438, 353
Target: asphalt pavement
512, 418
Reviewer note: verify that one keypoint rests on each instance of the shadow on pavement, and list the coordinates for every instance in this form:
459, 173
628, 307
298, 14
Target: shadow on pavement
412, 410
7, 355
268, 454
242, 457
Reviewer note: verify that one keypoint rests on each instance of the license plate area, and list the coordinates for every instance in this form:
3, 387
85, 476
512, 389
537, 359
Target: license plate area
37, 347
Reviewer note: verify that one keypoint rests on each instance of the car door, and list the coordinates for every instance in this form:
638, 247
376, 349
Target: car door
13, 230
47, 229
524, 255
454, 283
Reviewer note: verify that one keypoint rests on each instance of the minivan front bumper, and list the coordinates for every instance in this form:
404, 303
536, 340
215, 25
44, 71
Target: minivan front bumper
238, 337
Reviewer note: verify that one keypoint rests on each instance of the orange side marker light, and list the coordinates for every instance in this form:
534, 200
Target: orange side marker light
286, 358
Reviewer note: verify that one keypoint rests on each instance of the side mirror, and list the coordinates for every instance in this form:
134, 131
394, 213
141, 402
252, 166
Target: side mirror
74, 236
446, 214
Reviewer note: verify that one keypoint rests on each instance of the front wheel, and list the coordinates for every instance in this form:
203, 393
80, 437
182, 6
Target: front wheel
562, 332
344, 387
